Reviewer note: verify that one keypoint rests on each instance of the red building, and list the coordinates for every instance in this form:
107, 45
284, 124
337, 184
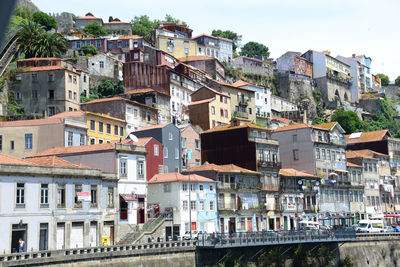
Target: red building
154, 157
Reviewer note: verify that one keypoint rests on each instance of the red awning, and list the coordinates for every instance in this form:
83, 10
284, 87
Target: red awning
128, 197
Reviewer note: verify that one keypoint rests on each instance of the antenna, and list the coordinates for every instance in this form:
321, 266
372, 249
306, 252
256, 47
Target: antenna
133, 138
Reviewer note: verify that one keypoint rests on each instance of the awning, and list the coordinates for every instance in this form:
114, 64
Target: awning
128, 197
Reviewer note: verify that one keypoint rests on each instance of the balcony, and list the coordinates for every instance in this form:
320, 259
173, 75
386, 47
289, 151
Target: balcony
269, 164
241, 114
243, 102
271, 187
265, 141
309, 208
226, 186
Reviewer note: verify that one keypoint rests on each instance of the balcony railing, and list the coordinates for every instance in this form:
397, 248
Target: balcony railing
226, 185
243, 102
269, 164
241, 114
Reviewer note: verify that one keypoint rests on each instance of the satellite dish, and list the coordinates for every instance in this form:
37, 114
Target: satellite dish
133, 138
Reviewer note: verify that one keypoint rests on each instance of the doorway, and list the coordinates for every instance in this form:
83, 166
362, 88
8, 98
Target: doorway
18, 231
44, 236
221, 225
141, 211
232, 225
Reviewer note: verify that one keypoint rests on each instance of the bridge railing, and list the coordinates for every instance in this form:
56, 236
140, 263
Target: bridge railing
274, 238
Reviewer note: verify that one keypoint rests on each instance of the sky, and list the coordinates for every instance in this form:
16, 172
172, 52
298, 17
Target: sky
344, 27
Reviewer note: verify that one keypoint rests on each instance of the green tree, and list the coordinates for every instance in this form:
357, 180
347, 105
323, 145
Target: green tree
302, 257
95, 29
273, 258
348, 119
325, 256
397, 81
51, 45
108, 88
23, 12
228, 35
45, 20
169, 18
348, 262
88, 50
319, 120
110, 18
252, 49
384, 79
143, 26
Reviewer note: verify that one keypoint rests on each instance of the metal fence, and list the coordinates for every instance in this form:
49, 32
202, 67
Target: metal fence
274, 238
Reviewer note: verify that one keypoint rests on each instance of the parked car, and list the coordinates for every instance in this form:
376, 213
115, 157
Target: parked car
388, 229
195, 234
370, 226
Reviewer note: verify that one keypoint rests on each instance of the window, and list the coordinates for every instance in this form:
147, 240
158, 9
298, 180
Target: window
197, 161
108, 128
119, 44
123, 167
221, 111
295, 138
82, 140
110, 197
186, 51
185, 205
75, 96
98, 43
74, 79
323, 154
211, 188
328, 154
100, 126
126, 43
212, 110
170, 136
34, 94
197, 144
212, 205
193, 205
20, 196
176, 153
295, 154
28, 141
165, 152
70, 138
201, 187
78, 189
192, 187
92, 125
70, 94
51, 94
140, 169
121, 131
70, 78
155, 150
226, 113
1, 142
52, 111
167, 188
84, 78
78, 44
183, 142
201, 205
93, 195
184, 187
34, 77
101, 64
11, 145
116, 130
60, 195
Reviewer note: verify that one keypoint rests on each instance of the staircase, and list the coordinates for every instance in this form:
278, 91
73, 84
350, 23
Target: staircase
148, 228
8, 55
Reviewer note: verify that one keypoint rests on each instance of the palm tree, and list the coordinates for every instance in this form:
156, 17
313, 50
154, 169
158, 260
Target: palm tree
34, 41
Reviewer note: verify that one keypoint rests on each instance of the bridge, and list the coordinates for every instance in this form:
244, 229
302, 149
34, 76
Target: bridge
187, 252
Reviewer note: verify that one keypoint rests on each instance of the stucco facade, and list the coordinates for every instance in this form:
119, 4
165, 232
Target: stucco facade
190, 141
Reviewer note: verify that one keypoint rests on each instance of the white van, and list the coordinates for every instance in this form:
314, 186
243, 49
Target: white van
370, 226
309, 225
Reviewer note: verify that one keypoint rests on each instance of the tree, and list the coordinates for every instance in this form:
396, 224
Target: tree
273, 258
108, 88
143, 26
110, 18
229, 35
302, 257
169, 18
45, 20
254, 49
397, 81
88, 50
95, 29
348, 119
319, 120
23, 12
325, 256
384, 79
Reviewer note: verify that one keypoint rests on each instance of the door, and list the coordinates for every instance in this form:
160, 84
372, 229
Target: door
44, 236
175, 232
60, 236
249, 224
19, 231
112, 235
232, 225
77, 235
108, 230
193, 226
221, 225
93, 234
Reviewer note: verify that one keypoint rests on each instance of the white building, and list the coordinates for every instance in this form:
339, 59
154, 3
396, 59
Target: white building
40, 204
225, 50
279, 105
171, 191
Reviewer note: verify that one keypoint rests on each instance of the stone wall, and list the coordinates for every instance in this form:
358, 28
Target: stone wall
372, 105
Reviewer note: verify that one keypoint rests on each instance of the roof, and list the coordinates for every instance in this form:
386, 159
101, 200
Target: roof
116, 22
232, 85
42, 68
364, 153
54, 162
139, 91
38, 122
195, 58
117, 98
75, 149
240, 83
4, 159
327, 126
129, 36
221, 168
250, 58
203, 34
292, 127
293, 172
141, 141
368, 137
158, 126
284, 120
349, 164
88, 16
202, 101
230, 127
214, 91
177, 177
40, 58
66, 114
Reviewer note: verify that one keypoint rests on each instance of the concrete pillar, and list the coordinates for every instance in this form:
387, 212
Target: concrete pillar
86, 230
67, 233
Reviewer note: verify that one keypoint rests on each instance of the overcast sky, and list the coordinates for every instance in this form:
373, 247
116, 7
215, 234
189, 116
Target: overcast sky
344, 27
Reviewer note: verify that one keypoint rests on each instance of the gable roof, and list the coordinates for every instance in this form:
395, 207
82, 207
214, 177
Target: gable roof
4, 159
240, 83
292, 127
201, 101
141, 141
372, 136
153, 127
54, 162
284, 120
75, 149
227, 127
350, 164
118, 98
177, 177
195, 58
38, 122
221, 168
67, 114
363, 153
293, 172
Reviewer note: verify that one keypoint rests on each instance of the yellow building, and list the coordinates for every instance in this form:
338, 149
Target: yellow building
103, 128
179, 47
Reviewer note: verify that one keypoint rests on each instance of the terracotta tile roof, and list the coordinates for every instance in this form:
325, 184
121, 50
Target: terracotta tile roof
67, 114
221, 168
251, 58
141, 141
42, 68
118, 98
153, 127
217, 92
4, 159
293, 172
139, 91
195, 58
364, 153
230, 127
232, 86
292, 127
88, 17
201, 101
75, 149
19, 123
286, 121
39, 58
177, 177
349, 164
203, 34
240, 83
130, 36
54, 162
368, 137
327, 126
116, 22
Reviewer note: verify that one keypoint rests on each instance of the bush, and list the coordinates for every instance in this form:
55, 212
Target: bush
88, 50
